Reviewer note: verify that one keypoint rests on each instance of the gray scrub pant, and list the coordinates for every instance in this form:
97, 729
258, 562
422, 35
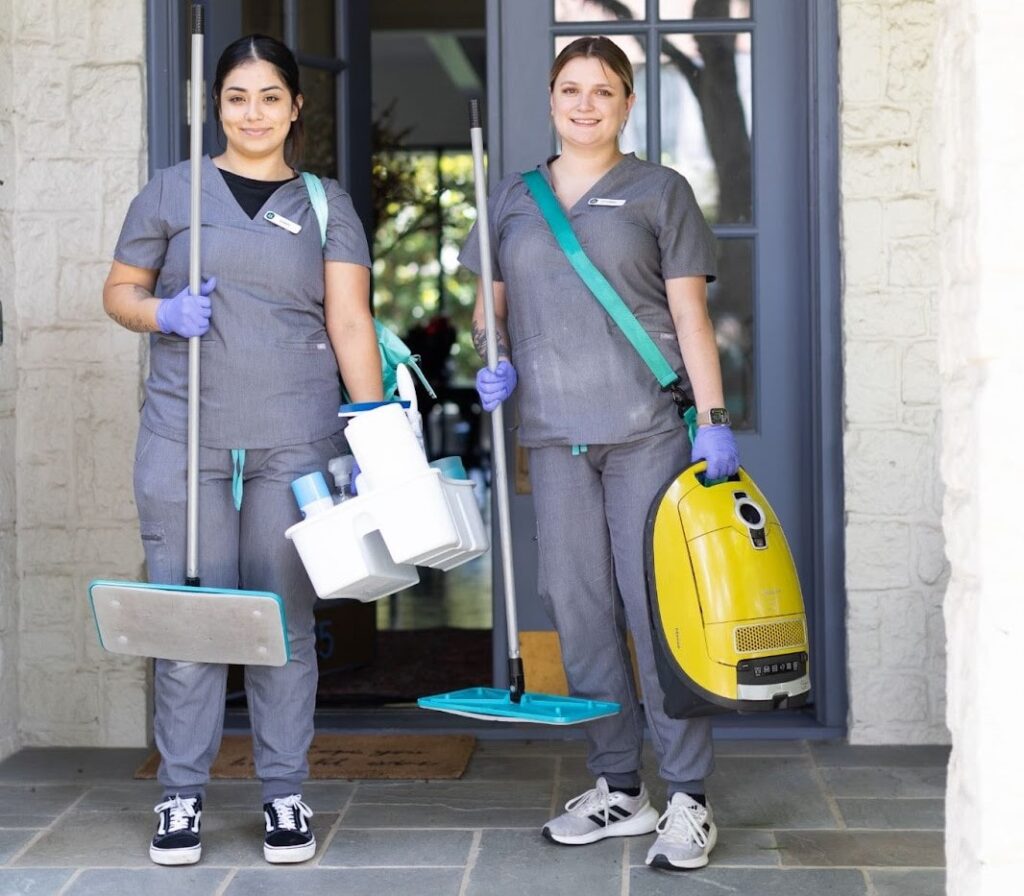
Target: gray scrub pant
591, 511
237, 549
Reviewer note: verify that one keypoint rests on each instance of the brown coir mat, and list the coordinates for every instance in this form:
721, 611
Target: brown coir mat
402, 757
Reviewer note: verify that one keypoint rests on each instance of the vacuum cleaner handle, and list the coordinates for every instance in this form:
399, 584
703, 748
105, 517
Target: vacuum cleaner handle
195, 199
499, 479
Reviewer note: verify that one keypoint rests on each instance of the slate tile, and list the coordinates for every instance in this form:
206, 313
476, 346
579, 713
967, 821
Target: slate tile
890, 782
735, 846
11, 841
860, 849
37, 881
84, 839
832, 753
35, 805
715, 881
67, 764
362, 849
908, 883
194, 880
349, 881
907, 814
769, 792
510, 863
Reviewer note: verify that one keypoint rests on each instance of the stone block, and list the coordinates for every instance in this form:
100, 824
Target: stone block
920, 381
861, 38
45, 599
888, 472
8, 480
909, 217
877, 553
863, 250
126, 707
879, 170
9, 599
80, 290
35, 272
117, 31
903, 630
58, 694
863, 646
875, 124
40, 92
930, 561
884, 314
914, 262
73, 346
871, 383
107, 108
123, 177
887, 697
55, 185
45, 413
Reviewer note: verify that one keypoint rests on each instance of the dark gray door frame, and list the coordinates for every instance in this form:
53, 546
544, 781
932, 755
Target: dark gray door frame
517, 104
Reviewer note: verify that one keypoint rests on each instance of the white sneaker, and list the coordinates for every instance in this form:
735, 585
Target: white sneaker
686, 834
601, 813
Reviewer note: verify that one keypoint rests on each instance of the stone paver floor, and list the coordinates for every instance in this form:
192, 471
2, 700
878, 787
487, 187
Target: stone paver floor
795, 818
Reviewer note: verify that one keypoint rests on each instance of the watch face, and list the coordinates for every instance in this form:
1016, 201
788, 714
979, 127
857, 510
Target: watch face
719, 416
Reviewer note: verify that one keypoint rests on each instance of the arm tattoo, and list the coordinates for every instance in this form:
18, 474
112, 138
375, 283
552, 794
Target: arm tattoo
134, 322
480, 343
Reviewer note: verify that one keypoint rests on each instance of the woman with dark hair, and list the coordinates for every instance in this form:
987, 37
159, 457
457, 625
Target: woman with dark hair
602, 436
280, 315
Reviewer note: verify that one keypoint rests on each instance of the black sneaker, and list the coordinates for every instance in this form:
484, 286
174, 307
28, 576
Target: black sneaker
176, 841
289, 838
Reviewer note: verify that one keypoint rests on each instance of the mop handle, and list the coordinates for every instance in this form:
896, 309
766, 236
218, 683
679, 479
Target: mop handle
195, 187
500, 477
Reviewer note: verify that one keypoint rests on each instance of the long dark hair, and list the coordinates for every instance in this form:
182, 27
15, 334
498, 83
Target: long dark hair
259, 47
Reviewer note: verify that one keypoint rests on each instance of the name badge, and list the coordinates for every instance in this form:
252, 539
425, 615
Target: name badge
282, 221
607, 202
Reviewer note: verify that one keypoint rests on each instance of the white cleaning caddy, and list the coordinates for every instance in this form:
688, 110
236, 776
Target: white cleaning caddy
406, 514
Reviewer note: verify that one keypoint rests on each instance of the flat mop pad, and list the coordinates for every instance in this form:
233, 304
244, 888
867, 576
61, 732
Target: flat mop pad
496, 705
199, 625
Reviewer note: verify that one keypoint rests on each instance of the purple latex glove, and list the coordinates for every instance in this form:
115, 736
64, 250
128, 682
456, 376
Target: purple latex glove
716, 445
186, 314
494, 386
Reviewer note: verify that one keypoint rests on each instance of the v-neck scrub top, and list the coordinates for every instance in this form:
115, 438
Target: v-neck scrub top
269, 376
580, 381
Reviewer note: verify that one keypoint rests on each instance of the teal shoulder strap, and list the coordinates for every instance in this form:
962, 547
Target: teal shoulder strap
318, 198
596, 282
392, 350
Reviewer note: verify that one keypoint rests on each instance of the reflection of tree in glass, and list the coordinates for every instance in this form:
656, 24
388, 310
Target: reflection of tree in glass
422, 207
715, 85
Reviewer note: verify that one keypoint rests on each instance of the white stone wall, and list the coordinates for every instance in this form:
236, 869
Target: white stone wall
77, 156
8, 385
895, 566
981, 150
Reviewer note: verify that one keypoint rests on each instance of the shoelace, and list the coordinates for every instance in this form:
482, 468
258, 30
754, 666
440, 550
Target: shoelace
288, 809
680, 822
596, 800
181, 813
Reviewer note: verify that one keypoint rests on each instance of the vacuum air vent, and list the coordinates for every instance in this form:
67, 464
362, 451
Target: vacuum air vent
769, 636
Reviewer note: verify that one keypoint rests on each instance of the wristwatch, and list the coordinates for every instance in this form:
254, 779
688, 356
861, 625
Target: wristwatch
713, 417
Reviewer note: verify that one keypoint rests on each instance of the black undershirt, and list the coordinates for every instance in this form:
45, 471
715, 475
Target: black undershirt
251, 194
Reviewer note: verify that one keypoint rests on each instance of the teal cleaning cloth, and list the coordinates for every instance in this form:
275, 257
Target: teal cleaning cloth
238, 466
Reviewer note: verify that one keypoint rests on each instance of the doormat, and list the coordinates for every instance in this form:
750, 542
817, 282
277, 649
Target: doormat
404, 757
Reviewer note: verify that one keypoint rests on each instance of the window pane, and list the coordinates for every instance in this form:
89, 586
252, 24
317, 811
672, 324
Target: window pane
316, 27
634, 137
320, 154
260, 17
731, 303
706, 120
599, 10
704, 9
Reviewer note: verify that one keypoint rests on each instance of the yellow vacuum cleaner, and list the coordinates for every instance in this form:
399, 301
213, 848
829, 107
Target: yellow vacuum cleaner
730, 631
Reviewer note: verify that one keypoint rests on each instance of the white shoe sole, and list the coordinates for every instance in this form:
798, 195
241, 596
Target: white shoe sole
660, 860
175, 856
643, 822
287, 855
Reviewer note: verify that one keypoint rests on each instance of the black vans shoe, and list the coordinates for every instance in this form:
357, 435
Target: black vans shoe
176, 841
289, 838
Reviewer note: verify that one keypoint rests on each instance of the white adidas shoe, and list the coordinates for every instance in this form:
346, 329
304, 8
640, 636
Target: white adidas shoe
601, 813
686, 834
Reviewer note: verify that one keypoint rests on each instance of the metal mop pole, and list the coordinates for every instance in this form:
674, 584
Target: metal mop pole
499, 479
196, 189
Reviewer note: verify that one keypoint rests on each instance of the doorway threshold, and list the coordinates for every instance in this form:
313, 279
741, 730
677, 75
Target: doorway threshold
410, 719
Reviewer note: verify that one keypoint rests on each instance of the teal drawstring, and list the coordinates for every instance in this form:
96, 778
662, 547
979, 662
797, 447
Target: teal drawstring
577, 450
238, 464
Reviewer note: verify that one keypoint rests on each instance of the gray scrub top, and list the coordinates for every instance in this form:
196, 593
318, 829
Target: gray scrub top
580, 380
269, 377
